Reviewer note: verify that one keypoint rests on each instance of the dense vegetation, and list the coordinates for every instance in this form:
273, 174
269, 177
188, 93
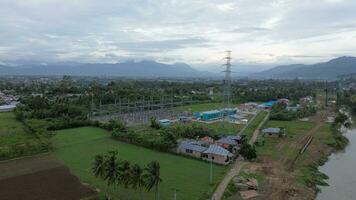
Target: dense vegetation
279, 112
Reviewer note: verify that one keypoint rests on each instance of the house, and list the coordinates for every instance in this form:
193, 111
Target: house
283, 101
306, 100
272, 132
230, 142
217, 154
226, 143
164, 122
207, 140
191, 148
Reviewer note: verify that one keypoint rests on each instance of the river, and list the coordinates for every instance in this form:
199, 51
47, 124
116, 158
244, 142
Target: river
341, 169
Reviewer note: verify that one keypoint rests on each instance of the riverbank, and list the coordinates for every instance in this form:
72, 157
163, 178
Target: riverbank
339, 168
288, 171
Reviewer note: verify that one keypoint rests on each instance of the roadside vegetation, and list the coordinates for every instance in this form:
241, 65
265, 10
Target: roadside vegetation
251, 127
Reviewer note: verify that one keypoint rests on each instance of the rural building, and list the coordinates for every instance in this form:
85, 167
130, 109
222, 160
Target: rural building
185, 119
217, 154
226, 143
191, 148
228, 111
293, 108
283, 101
207, 140
212, 115
164, 122
238, 119
247, 107
267, 105
272, 132
306, 100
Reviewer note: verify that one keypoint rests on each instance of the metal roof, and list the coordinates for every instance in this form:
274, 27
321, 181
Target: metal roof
234, 137
217, 150
212, 112
271, 130
194, 146
226, 140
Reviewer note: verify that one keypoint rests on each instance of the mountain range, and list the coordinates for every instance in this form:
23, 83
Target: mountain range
327, 70
147, 68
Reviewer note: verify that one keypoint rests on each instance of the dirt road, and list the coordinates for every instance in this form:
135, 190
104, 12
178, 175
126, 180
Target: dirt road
237, 166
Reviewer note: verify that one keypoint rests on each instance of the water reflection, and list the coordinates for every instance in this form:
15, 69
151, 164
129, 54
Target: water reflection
341, 169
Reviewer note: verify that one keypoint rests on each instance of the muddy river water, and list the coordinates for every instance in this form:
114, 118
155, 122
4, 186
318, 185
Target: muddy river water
341, 169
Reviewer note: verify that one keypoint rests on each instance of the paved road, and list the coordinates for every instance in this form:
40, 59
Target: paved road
237, 166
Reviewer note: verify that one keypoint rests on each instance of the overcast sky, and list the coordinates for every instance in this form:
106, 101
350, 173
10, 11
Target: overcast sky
193, 31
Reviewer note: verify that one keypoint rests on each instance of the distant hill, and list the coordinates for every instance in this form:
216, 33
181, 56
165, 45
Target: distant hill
145, 68
327, 70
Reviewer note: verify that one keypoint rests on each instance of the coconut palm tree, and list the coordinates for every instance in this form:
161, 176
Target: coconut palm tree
125, 175
137, 180
98, 168
112, 168
152, 177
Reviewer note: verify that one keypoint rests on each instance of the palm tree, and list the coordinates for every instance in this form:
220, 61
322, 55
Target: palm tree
125, 174
98, 168
152, 178
137, 180
112, 168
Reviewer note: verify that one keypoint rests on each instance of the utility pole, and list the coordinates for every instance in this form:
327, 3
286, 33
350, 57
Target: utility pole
326, 94
211, 171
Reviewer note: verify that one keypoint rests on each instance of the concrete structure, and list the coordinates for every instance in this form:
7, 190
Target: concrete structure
185, 119
272, 132
164, 122
6, 108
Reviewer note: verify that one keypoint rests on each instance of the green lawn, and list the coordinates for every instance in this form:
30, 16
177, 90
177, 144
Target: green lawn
11, 130
77, 148
293, 129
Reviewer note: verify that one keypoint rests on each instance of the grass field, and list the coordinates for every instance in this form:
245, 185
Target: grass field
293, 129
77, 148
200, 107
251, 127
11, 130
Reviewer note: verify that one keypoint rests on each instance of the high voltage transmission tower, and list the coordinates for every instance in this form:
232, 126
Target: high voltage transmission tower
227, 80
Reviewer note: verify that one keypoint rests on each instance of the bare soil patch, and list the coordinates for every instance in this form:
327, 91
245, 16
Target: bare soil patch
40, 178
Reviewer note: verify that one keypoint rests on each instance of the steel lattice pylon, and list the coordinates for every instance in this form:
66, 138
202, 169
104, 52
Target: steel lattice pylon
227, 80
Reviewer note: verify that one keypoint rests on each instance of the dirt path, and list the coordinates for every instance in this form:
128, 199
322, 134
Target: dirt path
237, 166
318, 119
257, 131
235, 170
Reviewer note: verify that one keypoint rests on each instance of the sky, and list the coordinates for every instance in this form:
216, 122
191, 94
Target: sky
197, 32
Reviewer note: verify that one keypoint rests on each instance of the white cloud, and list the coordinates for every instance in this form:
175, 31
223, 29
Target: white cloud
195, 32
